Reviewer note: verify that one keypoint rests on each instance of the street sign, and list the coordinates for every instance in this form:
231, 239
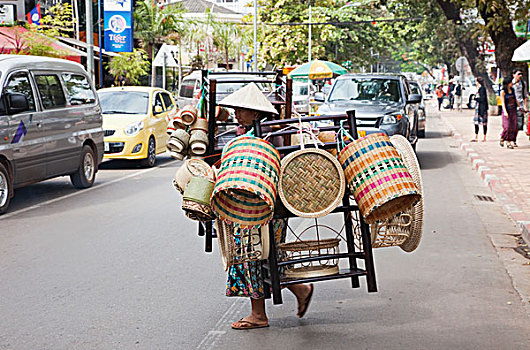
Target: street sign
461, 63
168, 51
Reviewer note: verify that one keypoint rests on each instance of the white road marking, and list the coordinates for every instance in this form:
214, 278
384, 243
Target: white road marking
220, 328
79, 192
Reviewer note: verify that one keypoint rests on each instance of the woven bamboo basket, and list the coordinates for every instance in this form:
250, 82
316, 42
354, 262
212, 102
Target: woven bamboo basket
404, 229
197, 211
381, 184
239, 245
311, 183
188, 114
246, 187
191, 168
310, 248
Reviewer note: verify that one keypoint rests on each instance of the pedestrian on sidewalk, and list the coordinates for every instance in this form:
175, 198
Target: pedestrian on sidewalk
509, 113
521, 93
440, 96
450, 92
481, 110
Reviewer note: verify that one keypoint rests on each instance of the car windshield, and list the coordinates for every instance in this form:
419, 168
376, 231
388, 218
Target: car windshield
366, 89
124, 102
228, 88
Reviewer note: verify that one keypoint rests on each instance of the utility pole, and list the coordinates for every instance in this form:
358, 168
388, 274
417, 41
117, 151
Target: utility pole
89, 39
255, 56
309, 44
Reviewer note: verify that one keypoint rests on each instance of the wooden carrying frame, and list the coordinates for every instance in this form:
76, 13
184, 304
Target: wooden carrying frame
272, 267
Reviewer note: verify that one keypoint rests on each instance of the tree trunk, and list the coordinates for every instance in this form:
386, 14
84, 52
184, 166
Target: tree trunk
153, 67
503, 37
226, 57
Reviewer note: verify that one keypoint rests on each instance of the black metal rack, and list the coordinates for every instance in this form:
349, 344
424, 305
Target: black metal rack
283, 97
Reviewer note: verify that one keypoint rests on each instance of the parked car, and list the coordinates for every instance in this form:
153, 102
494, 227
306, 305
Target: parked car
50, 123
415, 88
302, 92
135, 121
382, 103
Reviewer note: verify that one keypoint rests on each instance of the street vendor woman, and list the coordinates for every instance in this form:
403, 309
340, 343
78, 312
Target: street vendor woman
246, 279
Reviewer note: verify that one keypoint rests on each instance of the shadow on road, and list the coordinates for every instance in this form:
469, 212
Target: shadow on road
437, 134
433, 159
124, 164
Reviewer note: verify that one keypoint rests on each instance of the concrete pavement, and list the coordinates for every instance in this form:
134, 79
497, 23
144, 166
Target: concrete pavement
504, 170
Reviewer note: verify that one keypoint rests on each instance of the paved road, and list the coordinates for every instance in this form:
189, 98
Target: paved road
119, 267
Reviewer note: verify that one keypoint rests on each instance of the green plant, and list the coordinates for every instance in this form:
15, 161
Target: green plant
58, 21
129, 66
40, 45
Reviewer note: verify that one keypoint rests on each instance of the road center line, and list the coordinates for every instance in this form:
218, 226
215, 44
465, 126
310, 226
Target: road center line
79, 192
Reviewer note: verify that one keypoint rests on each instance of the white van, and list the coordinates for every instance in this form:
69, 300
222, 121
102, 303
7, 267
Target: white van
50, 123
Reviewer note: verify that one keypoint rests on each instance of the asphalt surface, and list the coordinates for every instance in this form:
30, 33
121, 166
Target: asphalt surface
118, 266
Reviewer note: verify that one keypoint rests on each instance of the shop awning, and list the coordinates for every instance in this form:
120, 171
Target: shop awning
83, 45
12, 41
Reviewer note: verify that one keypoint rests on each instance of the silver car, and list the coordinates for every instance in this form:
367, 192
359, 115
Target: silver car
50, 123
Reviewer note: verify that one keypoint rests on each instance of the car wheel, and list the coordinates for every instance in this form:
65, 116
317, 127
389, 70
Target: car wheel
472, 103
86, 173
5, 189
151, 154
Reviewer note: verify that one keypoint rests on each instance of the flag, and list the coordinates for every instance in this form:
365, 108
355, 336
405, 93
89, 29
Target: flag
34, 15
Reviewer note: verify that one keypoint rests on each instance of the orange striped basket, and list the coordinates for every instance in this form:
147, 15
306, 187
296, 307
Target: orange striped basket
381, 184
246, 186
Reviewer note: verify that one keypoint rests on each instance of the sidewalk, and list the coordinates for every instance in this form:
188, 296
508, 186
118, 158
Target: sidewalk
505, 171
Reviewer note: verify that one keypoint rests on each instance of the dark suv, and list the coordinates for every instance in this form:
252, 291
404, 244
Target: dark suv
382, 103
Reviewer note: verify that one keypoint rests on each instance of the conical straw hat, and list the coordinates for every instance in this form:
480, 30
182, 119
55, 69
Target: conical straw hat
248, 97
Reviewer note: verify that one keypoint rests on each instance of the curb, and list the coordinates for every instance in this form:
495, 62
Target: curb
521, 219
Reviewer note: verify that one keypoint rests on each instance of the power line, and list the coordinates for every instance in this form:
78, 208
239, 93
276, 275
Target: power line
349, 23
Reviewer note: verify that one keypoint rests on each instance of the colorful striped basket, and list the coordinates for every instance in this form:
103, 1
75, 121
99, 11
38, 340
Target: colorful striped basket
381, 184
247, 182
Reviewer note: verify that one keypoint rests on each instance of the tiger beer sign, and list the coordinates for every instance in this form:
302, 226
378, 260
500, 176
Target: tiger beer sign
117, 18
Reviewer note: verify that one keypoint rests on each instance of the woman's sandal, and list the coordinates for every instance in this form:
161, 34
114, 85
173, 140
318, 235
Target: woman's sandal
509, 146
243, 324
501, 143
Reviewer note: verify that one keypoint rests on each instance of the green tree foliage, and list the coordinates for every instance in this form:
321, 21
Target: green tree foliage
286, 45
129, 67
225, 38
57, 21
153, 23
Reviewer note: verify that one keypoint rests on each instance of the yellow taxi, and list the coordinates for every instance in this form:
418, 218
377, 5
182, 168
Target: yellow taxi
135, 120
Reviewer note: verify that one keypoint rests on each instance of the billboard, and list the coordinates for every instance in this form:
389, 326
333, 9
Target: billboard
117, 24
7, 14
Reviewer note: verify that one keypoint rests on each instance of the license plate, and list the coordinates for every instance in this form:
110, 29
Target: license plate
361, 133
107, 147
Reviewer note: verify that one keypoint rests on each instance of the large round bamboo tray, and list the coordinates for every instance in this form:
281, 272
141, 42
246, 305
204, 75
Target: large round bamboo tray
381, 184
309, 248
411, 161
311, 183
